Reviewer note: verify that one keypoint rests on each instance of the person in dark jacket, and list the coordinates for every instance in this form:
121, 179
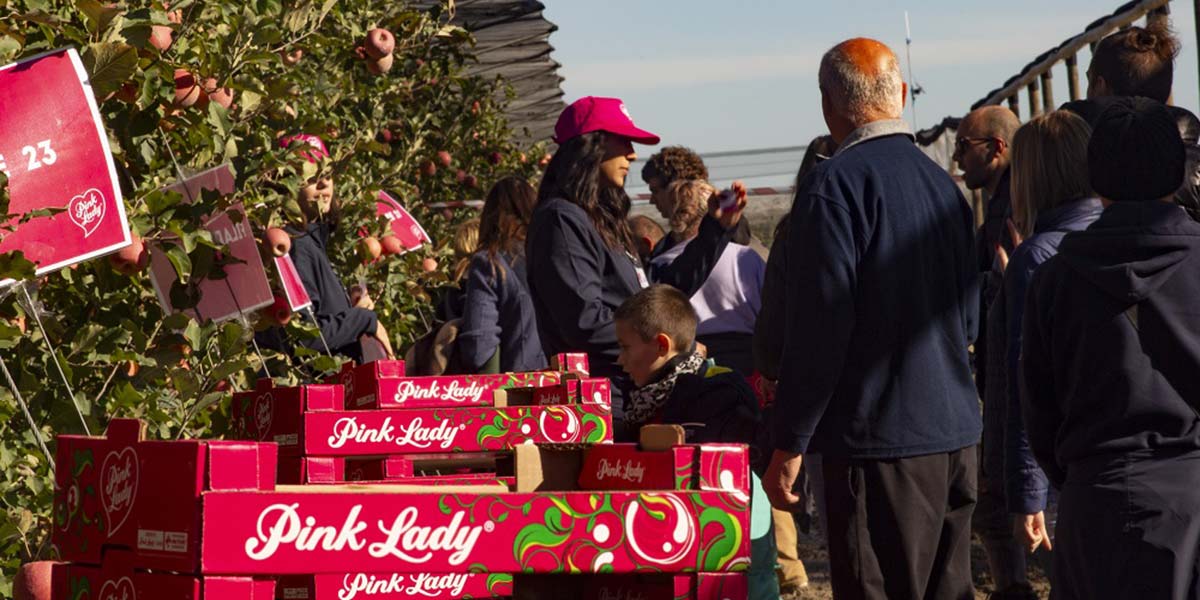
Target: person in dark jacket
883, 297
498, 314
582, 260
676, 384
1109, 361
983, 151
343, 325
1051, 197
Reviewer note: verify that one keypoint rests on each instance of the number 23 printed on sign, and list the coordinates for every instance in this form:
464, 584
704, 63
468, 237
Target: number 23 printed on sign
54, 151
43, 149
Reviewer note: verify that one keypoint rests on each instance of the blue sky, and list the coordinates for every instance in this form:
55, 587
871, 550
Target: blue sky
721, 75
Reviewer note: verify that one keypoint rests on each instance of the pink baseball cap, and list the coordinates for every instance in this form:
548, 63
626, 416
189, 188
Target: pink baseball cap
592, 113
318, 147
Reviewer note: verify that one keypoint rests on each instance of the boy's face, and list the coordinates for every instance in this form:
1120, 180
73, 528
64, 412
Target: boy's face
642, 358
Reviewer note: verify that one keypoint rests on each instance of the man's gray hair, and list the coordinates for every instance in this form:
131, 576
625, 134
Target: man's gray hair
855, 94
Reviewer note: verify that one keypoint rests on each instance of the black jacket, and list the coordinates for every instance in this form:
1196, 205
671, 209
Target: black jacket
577, 282
1110, 357
498, 315
341, 324
883, 302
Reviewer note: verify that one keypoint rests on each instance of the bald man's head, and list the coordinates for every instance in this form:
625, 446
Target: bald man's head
990, 121
860, 78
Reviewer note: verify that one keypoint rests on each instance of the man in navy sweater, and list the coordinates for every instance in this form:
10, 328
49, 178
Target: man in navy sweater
883, 293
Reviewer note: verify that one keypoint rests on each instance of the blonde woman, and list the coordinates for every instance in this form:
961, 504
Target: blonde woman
1051, 197
729, 300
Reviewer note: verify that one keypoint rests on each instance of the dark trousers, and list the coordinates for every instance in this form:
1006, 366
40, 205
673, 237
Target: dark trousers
1129, 527
901, 528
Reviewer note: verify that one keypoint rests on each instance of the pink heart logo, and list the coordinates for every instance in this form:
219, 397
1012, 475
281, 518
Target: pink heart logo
263, 414
121, 589
87, 210
118, 486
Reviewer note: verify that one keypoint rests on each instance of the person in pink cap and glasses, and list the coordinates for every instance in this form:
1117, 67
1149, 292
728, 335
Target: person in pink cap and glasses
345, 321
582, 259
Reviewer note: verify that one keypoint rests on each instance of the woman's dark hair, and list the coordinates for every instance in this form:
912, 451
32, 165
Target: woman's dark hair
505, 218
574, 175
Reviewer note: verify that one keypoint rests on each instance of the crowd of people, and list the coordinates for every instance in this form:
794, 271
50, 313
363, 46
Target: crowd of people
904, 375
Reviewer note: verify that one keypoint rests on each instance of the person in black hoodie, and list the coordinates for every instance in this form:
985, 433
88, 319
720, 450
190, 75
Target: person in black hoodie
1109, 371
582, 260
343, 324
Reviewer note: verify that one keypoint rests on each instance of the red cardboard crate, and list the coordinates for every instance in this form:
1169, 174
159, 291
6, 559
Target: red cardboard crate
574, 362
274, 414
478, 429
121, 492
395, 586
375, 385
116, 579
212, 508
628, 467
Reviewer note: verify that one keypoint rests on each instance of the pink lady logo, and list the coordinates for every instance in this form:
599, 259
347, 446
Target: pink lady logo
283, 526
628, 471
413, 434
559, 424
263, 414
454, 392
87, 210
118, 486
121, 589
669, 533
423, 584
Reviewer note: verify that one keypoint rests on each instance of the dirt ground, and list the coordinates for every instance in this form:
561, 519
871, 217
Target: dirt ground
816, 561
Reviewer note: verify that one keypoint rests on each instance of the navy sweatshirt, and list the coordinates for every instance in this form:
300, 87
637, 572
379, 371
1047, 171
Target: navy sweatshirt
883, 287
1110, 355
1025, 485
498, 314
577, 282
341, 324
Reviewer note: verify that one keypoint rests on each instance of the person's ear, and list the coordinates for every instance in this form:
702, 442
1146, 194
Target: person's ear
903, 95
645, 244
663, 344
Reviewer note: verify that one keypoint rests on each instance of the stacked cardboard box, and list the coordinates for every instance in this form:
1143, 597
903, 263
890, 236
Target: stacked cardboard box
209, 519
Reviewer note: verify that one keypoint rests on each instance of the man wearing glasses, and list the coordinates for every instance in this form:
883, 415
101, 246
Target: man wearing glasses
982, 151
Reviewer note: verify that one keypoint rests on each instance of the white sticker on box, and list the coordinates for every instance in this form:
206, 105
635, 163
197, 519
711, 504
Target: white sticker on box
176, 541
149, 539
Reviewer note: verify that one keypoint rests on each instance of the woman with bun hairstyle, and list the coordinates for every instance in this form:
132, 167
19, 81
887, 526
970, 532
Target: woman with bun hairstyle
582, 260
498, 333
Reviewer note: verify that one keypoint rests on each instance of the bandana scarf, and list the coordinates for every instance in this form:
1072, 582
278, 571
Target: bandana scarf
645, 402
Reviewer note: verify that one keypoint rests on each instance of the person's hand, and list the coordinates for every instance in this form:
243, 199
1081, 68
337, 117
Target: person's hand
702, 349
728, 217
359, 298
1031, 529
781, 478
1015, 236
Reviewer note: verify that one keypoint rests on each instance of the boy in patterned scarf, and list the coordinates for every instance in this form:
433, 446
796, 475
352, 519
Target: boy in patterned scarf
674, 382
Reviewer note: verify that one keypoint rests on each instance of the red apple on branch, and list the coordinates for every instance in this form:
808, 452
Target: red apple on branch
131, 259
33, 581
370, 249
444, 158
278, 241
188, 91
429, 265
220, 95
280, 311
161, 37
428, 168
379, 43
391, 245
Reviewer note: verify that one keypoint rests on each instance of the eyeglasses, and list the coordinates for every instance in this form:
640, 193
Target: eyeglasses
960, 144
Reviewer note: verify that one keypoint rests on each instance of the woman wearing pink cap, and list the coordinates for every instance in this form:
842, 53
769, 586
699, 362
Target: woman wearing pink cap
582, 260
